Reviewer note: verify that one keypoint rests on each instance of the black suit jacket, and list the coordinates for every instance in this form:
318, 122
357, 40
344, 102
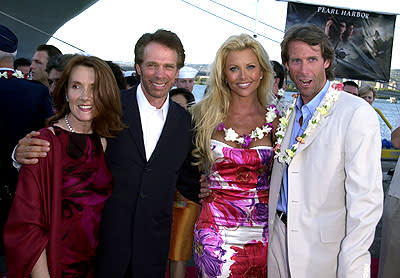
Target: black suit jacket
135, 231
24, 106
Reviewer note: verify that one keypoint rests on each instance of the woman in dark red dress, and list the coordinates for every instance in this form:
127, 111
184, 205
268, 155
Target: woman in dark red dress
52, 229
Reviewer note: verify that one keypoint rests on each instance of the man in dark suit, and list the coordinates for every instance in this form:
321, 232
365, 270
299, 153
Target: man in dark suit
24, 106
147, 160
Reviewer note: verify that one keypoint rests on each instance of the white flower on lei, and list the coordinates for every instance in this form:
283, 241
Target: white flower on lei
230, 135
18, 74
322, 110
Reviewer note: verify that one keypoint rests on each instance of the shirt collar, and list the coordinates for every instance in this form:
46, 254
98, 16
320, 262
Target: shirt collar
3, 69
143, 103
312, 105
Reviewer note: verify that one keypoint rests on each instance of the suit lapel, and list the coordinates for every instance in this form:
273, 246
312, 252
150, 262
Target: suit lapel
132, 117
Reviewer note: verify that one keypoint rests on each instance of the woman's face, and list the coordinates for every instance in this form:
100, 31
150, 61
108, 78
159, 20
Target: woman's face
369, 97
243, 72
80, 96
181, 100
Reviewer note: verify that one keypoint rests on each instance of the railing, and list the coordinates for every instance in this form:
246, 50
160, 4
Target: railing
383, 118
388, 154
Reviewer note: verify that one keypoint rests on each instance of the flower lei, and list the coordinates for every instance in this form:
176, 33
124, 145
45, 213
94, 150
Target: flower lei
9, 74
258, 133
322, 110
280, 93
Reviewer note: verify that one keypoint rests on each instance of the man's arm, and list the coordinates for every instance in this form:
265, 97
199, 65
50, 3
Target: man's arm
29, 149
364, 192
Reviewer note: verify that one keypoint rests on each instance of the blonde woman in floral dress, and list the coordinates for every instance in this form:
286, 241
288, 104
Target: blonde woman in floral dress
233, 144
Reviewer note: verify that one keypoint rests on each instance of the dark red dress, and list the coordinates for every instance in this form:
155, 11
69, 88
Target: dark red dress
58, 206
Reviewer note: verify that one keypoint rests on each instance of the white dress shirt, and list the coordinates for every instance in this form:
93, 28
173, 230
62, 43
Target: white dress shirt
152, 120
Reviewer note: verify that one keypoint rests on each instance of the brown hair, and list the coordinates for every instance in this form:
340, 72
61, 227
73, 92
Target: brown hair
313, 35
106, 96
164, 37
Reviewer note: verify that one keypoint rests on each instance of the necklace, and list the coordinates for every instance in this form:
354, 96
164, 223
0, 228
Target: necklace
322, 110
258, 133
68, 125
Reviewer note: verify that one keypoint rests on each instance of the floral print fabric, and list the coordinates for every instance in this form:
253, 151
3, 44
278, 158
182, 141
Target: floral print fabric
231, 234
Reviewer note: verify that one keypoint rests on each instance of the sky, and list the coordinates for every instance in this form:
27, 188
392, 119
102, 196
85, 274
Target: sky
109, 29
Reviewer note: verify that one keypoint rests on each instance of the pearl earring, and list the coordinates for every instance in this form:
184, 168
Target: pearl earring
66, 98
261, 77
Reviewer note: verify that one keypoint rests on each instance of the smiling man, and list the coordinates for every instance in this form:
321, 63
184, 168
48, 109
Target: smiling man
326, 184
146, 160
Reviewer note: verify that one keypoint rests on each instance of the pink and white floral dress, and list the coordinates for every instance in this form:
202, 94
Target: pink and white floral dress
231, 234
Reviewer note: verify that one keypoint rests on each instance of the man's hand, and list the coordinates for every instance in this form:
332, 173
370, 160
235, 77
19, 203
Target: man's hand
205, 191
29, 149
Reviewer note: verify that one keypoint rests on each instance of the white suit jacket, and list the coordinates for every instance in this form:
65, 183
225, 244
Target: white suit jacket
335, 196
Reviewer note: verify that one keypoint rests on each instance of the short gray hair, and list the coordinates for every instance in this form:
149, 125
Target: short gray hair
5, 55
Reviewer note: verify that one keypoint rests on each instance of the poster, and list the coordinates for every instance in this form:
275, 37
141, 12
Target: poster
362, 40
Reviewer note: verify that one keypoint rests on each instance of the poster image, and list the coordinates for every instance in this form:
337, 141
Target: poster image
362, 40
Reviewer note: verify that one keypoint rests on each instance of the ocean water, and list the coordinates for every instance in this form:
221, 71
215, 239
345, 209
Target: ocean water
391, 111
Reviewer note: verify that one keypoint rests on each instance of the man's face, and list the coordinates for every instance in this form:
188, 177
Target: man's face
23, 69
157, 72
186, 83
351, 89
38, 66
54, 76
307, 68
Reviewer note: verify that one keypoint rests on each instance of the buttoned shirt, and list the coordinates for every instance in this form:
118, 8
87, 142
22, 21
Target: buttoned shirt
152, 120
307, 111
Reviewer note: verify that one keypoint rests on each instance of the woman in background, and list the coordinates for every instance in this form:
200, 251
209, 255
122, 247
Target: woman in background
184, 212
52, 229
368, 93
233, 143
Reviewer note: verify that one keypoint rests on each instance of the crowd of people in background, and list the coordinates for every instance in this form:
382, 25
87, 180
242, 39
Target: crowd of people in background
113, 173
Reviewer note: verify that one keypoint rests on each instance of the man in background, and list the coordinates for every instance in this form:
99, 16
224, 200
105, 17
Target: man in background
278, 87
351, 87
186, 78
23, 65
39, 62
55, 68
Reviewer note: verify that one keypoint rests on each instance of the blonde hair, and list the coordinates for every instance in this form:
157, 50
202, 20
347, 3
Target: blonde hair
212, 110
364, 90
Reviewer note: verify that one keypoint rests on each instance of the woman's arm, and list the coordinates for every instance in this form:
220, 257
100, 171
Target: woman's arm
41, 270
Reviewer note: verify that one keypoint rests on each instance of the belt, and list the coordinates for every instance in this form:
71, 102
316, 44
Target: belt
282, 216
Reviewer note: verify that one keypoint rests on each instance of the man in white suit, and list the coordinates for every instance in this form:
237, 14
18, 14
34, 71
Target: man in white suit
326, 186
